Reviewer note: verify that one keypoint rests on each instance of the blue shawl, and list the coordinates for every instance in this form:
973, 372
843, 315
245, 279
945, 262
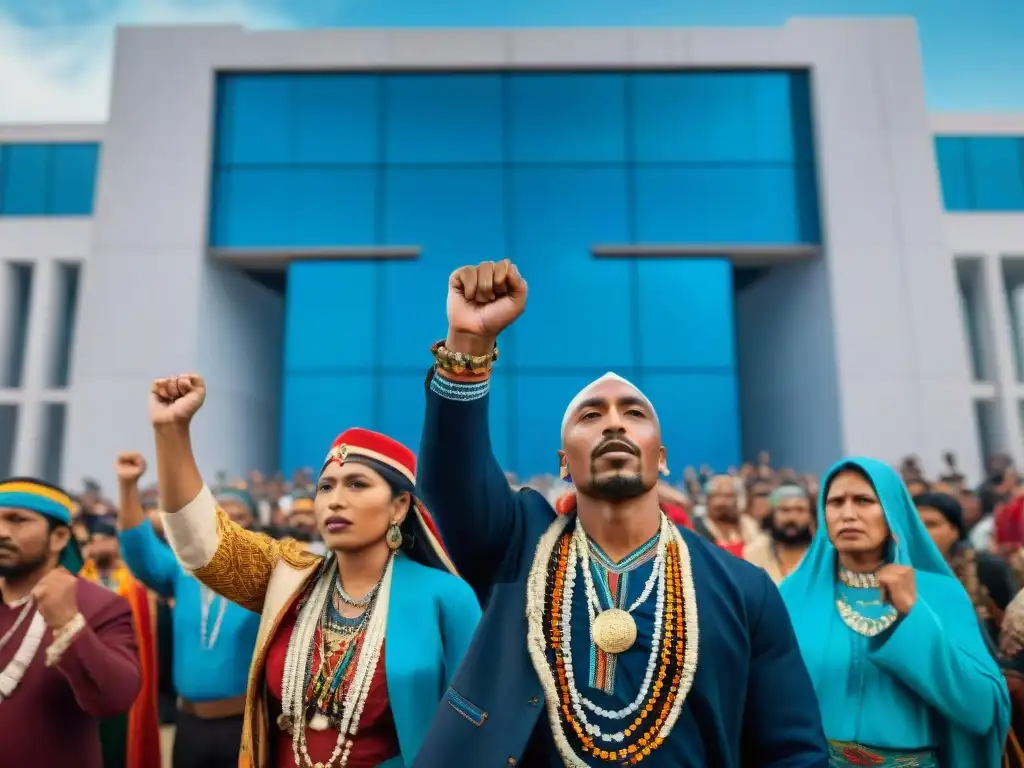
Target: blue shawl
943, 657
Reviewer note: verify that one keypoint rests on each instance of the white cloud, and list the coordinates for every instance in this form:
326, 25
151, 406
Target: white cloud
60, 73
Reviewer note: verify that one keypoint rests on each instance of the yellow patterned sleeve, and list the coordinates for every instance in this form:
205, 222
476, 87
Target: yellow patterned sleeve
241, 565
227, 558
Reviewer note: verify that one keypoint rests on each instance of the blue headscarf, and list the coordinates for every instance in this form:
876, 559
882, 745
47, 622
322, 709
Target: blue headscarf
809, 594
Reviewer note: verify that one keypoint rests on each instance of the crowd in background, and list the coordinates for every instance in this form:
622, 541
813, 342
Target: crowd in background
759, 512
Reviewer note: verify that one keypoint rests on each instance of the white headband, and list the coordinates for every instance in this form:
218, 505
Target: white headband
585, 393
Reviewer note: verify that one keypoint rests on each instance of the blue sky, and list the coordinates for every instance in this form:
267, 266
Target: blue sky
55, 54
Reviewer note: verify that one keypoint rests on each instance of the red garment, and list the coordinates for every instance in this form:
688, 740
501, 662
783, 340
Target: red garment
1009, 523
52, 718
733, 547
377, 740
677, 515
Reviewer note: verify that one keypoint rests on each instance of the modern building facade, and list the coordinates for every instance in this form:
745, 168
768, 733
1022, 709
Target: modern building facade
764, 228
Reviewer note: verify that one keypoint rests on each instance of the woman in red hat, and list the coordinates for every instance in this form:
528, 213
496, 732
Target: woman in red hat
355, 649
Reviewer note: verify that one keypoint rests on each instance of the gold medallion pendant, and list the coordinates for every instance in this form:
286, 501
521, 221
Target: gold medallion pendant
614, 631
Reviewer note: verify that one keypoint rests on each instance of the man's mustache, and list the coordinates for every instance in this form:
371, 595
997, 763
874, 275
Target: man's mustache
615, 444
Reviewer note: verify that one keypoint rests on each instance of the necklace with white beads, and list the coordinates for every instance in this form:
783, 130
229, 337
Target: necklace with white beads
578, 551
207, 596
299, 657
11, 675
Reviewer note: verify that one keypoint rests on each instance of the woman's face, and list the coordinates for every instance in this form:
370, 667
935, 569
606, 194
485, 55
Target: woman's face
354, 507
854, 516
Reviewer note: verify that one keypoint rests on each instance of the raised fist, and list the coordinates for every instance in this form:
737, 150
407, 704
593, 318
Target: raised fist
176, 400
56, 598
484, 300
130, 466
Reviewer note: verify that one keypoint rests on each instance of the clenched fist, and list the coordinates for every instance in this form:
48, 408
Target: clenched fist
482, 302
899, 586
176, 400
56, 598
130, 466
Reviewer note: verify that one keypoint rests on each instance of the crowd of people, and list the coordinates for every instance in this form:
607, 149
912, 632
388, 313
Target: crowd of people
393, 610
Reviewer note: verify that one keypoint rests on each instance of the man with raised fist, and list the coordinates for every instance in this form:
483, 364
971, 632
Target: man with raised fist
68, 654
212, 639
588, 651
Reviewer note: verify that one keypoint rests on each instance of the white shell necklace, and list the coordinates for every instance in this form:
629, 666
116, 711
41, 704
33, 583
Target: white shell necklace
12, 674
299, 657
206, 599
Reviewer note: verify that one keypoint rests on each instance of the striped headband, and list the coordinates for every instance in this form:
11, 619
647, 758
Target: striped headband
22, 493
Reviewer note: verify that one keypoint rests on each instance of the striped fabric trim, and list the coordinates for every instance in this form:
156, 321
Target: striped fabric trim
458, 391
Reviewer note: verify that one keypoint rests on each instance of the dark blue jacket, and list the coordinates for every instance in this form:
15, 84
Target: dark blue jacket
752, 697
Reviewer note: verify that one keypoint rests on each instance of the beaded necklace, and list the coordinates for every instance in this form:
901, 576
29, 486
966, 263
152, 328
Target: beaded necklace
11, 675
550, 588
207, 597
612, 580
298, 664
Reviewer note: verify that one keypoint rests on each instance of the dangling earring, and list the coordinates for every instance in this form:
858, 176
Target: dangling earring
663, 470
394, 537
563, 471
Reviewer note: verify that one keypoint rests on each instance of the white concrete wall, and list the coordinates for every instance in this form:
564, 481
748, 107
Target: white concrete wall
45, 243
900, 385
996, 241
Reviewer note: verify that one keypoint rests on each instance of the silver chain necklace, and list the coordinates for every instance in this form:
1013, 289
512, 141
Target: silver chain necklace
362, 602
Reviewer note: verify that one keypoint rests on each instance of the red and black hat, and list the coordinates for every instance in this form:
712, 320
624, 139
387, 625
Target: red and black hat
380, 452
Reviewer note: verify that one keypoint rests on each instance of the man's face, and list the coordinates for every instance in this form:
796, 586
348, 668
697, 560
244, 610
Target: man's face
793, 521
26, 542
722, 500
238, 512
612, 443
103, 550
943, 532
303, 525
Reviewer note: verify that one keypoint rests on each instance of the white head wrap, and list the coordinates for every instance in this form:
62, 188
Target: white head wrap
585, 393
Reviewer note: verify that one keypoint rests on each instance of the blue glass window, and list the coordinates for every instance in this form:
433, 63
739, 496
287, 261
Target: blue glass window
453, 119
572, 118
254, 119
315, 407
997, 168
456, 216
558, 215
26, 176
699, 417
728, 204
337, 119
954, 172
694, 329
330, 316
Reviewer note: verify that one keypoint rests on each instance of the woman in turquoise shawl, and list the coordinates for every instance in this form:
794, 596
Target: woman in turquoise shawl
889, 636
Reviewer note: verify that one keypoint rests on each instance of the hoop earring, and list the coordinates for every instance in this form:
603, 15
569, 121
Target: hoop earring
394, 537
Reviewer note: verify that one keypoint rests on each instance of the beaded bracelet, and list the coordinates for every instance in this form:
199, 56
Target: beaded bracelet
62, 639
460, 363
